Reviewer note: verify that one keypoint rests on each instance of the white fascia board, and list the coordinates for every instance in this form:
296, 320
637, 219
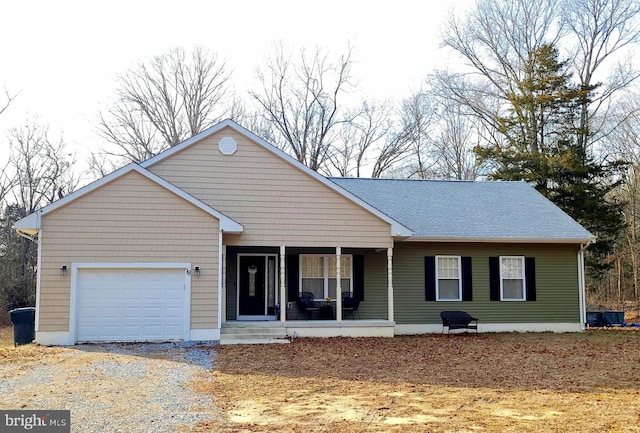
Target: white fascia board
32, 223
397, 229
501, 240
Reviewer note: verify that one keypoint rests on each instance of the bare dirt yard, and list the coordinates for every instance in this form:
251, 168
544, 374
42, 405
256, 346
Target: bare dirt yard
586, 382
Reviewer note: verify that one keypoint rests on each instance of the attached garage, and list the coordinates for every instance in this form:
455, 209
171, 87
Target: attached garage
114, 262
132, 302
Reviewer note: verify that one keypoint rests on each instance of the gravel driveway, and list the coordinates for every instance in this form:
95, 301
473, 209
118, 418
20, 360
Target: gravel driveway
115, 387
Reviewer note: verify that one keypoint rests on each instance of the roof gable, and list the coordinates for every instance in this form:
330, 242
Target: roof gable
397, 229
30, 224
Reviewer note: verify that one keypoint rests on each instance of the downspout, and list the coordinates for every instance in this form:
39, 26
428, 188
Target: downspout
582, 295
220, 279
38, 277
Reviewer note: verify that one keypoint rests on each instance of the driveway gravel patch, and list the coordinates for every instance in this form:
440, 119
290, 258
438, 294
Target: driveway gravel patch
116, 387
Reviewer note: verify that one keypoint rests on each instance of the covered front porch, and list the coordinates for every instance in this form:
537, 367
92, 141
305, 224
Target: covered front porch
264, 289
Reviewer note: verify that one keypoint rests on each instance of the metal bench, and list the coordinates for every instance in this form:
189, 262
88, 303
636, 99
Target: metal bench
458, 320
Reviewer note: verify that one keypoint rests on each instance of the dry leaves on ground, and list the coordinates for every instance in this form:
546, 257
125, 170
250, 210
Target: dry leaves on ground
482, 383
25, 355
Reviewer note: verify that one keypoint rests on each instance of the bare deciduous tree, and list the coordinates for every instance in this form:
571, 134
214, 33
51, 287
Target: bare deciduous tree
452, 146
344, 154
101, 164
133, 137
163, 102
602, 29
624, 142
7, 180
9, 98
43, 167
7, 177
396, 149
442, 133
301, 98
495, 41
477, 97
370, 140
417, 119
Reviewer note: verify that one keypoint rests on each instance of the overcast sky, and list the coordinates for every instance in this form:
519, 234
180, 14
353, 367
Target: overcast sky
61, 57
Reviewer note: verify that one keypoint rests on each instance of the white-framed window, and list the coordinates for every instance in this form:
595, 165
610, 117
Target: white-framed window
512, 278
448, 278
318, 275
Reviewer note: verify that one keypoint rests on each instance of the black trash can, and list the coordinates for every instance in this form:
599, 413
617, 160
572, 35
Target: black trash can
24, 325
594, 318
613, 318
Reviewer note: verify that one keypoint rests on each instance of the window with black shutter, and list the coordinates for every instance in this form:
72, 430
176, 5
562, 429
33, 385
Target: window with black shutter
512, 278
448, 278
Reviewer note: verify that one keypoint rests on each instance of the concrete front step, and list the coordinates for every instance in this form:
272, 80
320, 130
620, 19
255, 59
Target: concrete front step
248, 334
244, 331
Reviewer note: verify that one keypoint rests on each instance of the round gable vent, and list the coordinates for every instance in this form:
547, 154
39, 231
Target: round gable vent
227, 146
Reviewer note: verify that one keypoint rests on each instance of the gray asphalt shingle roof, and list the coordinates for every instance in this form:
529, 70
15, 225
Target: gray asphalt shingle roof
468, 210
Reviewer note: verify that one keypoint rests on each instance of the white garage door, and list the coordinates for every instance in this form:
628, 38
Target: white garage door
131, 304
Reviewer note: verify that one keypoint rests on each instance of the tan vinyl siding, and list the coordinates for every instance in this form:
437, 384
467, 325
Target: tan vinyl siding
276, 203
131, 219
556, 283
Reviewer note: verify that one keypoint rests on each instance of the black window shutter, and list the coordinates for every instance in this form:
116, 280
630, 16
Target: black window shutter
292, 277
358, 277
494, 278
467, 285
429, 278
530, 277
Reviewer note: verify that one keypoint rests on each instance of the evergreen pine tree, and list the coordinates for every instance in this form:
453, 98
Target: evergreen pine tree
541, 147
18, 257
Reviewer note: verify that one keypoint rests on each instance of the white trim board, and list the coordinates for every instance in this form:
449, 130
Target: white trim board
413, 329
63, 338
54, 338
204, 335
498, 240
339, 331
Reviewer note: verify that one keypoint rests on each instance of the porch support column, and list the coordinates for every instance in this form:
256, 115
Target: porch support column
283, 286
338, 286
390, 281
224, 283
220, 282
